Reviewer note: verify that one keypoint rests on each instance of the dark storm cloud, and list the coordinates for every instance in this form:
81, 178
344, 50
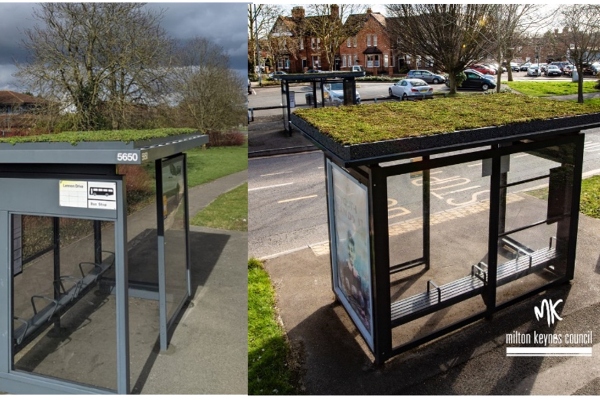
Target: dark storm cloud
222, 23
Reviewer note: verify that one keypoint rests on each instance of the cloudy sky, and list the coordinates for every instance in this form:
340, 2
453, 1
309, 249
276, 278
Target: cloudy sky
223, 23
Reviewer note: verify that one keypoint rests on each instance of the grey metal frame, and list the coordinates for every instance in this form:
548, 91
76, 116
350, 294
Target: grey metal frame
29, 175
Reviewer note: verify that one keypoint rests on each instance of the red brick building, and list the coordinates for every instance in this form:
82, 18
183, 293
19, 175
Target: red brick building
370, 47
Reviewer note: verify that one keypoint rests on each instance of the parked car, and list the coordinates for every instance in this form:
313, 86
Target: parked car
334, 94
483, 69
534, 70
553, 70
560, 64
411, 88
427, 76
543, 67
525, 66
568, 69
515, 66
476, 80
595, 68
276, 74
357, 68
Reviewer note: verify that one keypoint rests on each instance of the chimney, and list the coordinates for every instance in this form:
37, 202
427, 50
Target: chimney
298, 12
369, 11
334, 11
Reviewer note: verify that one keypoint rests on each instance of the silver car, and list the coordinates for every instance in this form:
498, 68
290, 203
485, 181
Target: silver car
427, 76
411, 89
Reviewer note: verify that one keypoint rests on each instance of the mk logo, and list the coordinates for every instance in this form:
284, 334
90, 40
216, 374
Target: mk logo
549, 308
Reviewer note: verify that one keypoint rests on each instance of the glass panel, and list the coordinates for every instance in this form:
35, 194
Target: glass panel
64, 324
533, 251
426, 300
174, 207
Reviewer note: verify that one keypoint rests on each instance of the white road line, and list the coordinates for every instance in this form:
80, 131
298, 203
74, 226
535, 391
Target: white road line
474, 165
270, 187
297, 198
276, 173
521, 155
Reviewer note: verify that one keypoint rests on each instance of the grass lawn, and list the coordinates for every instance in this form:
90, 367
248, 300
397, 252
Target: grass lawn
546, 88
590, 197
229, 211
268, 350
206, 165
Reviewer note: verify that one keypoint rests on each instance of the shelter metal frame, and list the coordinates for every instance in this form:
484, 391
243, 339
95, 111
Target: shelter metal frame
30, 179
371, 168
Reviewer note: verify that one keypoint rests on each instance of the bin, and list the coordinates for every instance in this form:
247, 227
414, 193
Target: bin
309, 99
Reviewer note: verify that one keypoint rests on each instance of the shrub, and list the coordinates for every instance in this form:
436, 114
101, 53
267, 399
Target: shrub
229, 138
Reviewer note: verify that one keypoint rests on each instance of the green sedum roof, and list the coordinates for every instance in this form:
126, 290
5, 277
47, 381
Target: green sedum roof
351, 125
125, 136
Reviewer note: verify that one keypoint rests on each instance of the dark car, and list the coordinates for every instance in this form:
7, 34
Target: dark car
525, 66
476, 80
425, 75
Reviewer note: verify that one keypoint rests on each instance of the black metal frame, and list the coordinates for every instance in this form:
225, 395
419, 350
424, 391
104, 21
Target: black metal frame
374, 176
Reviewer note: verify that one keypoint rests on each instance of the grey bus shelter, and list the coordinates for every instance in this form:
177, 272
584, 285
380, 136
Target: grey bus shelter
61, 180
359, 180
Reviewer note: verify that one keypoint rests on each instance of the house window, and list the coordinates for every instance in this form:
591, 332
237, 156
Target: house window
301, 44
318, 43
386, 61
355, 60
286, 63
344, 61
374, 40
349, 42
368, 40
313, 43
355, 41
304, 64
373, 61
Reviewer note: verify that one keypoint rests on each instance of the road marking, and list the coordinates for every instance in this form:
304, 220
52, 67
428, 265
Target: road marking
271, 187
276, 173
475, 165
521, 155
297, 198
459, 190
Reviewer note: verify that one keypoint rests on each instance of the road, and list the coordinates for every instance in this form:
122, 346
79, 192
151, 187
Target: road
287, 204
271, 96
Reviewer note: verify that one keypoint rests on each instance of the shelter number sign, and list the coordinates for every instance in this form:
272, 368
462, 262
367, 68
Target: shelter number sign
88, 194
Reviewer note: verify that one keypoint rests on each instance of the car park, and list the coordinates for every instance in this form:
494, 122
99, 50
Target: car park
427, 76
553, 70
534, 70
411, 88
525, 66
334, 94
477, 80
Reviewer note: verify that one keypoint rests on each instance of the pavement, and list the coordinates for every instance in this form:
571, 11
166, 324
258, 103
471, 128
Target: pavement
207, 353
334, 359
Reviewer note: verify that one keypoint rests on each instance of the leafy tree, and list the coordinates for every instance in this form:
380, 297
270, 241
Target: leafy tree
451, 35
261, 18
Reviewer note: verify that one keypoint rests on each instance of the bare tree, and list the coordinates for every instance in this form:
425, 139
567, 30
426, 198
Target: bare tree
210, 96
95, 58
509, 23
261, 18
581, 37
327, 23
451, 35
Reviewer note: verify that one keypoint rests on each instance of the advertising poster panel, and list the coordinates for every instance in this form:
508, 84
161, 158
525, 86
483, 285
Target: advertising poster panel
350, 250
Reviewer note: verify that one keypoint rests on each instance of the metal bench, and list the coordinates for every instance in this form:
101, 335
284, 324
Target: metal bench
53, 307
436, 297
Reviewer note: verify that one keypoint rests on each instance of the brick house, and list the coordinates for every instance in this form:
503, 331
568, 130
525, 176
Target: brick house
370, 47
16, 110
292, 47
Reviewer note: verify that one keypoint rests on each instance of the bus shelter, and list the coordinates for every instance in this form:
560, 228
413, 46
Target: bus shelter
317, 81
448, 262
72, 279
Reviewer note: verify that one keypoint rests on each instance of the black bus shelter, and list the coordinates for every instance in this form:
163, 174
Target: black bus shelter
317, 80
390, 276
72, 278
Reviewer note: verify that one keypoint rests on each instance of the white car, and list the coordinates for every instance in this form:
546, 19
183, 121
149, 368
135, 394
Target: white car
334, 93
534, 70
411, 89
